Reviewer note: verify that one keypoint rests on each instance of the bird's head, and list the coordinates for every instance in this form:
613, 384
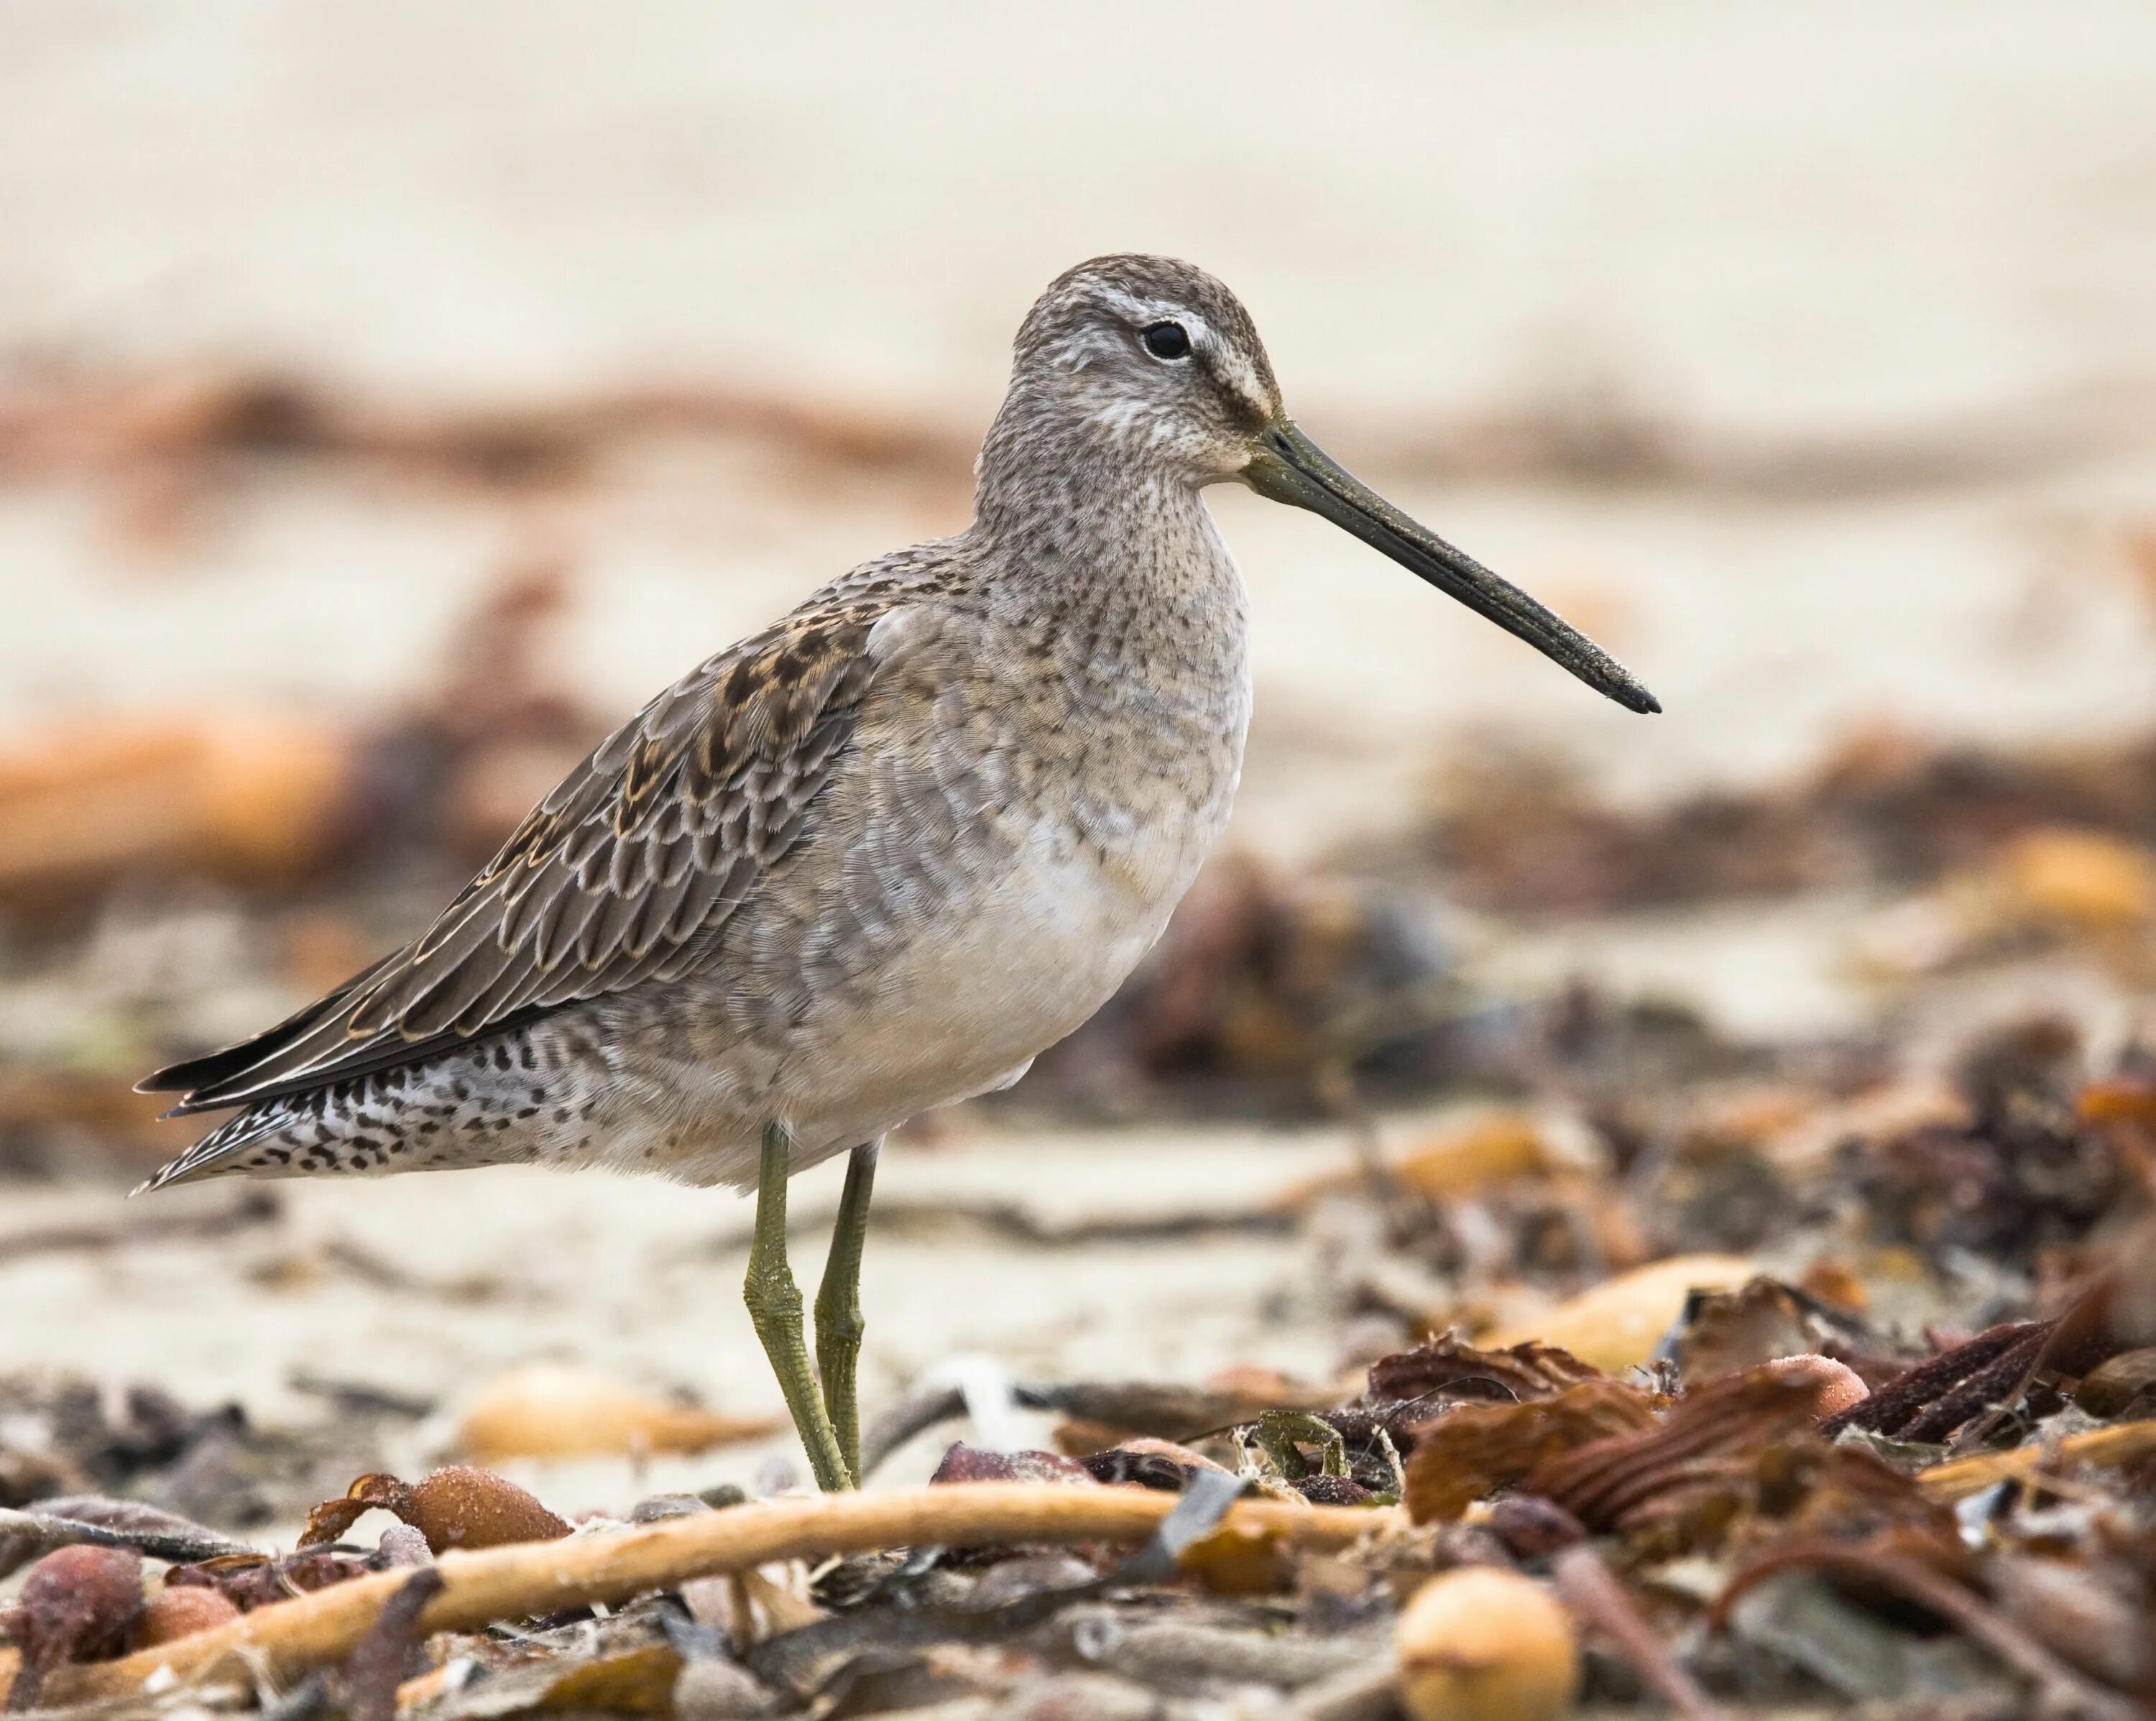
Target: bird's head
1153, 356
1151, 360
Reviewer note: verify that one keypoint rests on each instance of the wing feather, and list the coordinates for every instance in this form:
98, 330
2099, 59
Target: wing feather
620, 875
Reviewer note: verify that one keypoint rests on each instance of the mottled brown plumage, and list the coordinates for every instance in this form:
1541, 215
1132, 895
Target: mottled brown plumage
612, 881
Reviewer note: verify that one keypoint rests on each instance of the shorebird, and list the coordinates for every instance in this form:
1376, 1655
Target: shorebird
875, 858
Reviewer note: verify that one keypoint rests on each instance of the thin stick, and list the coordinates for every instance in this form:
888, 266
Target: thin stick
290, 1639
2121, 1443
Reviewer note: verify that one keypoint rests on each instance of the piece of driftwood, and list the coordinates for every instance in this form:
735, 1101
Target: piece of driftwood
290, 1639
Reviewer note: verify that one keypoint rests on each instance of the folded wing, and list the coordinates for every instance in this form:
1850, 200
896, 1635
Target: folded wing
622, 875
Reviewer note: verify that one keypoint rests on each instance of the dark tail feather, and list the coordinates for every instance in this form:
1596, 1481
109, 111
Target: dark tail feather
204, 1080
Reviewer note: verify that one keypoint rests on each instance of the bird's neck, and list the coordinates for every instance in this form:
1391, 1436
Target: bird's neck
1091, 538
1127, 613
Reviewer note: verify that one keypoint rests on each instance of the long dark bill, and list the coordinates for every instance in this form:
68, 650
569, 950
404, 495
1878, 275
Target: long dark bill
1293, 469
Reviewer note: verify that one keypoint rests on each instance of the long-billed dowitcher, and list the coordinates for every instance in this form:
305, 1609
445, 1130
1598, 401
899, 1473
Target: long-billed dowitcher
876, 857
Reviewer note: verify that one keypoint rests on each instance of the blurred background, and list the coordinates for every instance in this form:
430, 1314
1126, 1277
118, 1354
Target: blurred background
391, 397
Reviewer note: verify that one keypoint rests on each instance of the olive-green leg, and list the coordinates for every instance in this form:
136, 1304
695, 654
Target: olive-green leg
774, 1306
838, 1323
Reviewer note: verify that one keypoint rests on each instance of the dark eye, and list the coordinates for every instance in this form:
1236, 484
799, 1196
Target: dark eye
1167, 340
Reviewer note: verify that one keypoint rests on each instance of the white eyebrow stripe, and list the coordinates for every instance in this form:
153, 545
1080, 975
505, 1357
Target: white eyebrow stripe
1161, 310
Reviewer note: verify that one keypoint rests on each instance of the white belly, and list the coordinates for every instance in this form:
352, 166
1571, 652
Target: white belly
957, 1009
964, 1006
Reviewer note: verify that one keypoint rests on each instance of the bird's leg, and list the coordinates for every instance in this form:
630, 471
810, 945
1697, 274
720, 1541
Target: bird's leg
839, 1323
774, 1308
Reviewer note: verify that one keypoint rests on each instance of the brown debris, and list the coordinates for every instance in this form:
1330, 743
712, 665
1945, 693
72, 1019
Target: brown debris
460, 1507
252, 1580
184, 427
1449, 1164
172, 1614
269, 801
1149, 1462
1476, 1449
252, 796
72, 1444
1757, 1322
964, 1463
1706, 1456
1263, 991
1242, 1559
1517, 831
77, 1605
1617, 1323
1448, 1367
64, 1519
196, 419
2120, 1384
550, 1410
1981, 1380
1687, 1469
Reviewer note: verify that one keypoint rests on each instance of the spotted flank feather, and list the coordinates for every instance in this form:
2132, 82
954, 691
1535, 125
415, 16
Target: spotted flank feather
531, 1095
